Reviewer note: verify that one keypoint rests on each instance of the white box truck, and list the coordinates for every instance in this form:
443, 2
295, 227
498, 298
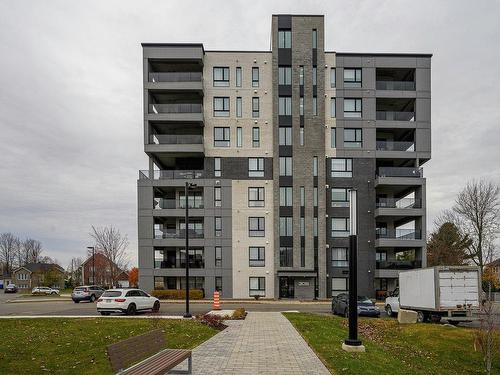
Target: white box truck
448, 292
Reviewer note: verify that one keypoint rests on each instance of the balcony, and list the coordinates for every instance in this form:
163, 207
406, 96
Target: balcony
395, 116
177, 112
175, 82
395, 146
399, 172
398, 238
170, 174
166, 204
182, 144
396, 85
175, 77
179, 263
399, 264
173, 139
402, 203
177, 233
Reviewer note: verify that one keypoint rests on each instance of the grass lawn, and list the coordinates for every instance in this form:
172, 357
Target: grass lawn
392, 348
78, 346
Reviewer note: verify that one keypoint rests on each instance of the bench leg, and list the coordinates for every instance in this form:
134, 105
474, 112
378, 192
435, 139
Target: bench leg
190, 365
188, 371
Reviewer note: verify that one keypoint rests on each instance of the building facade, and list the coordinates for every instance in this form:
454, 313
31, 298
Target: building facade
32, 275
273, 141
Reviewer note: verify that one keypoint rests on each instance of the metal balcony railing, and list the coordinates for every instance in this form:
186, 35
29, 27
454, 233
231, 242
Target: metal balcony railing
399, 234
399, 264
175, 77
170, 174
395, 146
399, 172
173, 139
396, 85
180, 263
178, 233
399, 203
395, 116
176, 108
162, 203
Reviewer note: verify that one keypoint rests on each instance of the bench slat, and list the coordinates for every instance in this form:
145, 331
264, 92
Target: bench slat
159, 363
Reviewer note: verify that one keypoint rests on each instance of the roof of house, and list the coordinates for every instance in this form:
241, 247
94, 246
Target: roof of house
35, 267
495, 263
100, 255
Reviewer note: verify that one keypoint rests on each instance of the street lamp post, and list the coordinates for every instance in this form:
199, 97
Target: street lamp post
93, 262
187, 187
352, 343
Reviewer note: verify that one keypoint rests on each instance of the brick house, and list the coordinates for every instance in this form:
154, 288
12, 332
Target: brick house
103, 272
38, 274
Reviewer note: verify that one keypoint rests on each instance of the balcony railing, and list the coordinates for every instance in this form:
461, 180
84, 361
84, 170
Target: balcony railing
399, 234
172, 139
399, 203
175, 77
395, 116
162, 203
170, 174
399, 264
395, 146
176, 108
257, 263
178, 233
396, 85
399, 172
180, 263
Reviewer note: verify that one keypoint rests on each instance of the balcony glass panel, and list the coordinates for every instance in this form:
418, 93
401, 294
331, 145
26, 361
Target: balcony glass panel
395, 146
176, 108
175, 77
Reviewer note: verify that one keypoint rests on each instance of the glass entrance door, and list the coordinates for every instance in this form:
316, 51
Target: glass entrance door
286, 287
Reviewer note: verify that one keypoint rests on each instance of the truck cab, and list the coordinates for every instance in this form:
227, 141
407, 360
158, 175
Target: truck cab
392, 303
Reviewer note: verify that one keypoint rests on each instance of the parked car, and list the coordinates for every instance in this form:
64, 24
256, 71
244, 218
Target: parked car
44, 290
340, 306
11, 288
128, 301
86, 293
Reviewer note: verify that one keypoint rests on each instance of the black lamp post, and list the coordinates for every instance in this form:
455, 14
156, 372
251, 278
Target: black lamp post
187, 187
93, 263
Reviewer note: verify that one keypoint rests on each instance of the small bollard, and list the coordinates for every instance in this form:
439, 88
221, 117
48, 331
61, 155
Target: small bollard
216, 301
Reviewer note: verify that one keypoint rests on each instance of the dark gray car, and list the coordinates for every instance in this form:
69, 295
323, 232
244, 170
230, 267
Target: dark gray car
86, 293
340, 306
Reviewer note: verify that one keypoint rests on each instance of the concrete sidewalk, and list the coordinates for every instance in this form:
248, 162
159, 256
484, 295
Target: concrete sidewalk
263, 343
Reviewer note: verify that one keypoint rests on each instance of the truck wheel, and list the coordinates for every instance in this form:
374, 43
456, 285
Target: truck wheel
420, 317
435, 318
346, 313
453, 322
388, 310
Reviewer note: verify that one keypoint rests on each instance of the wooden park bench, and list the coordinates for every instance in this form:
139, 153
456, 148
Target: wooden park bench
149, 349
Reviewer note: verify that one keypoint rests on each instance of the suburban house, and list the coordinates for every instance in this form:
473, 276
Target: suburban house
495, 265
5, 277
99, 270
38, 274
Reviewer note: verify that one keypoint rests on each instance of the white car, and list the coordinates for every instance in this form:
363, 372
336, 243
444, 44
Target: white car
128, 301
392, 303
44, 290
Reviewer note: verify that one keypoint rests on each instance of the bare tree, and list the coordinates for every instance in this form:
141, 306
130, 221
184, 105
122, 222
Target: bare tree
74, 271
9, 245
31, 251
484, 339
476, 213
113, 245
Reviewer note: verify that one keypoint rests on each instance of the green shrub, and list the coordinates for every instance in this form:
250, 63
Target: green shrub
177, 294
239, 314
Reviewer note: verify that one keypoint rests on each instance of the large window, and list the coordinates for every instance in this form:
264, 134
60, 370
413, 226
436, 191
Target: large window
239, 107
285, 136
256, 227
256, 137
286, 196
315, 106
286, 226
286, 168
333, 109
222, 136
286, 256
195, 282
218, 284
333, 137
353, 138
217, 196
315, 166
256, 197
352, 78
339, 285
218, 256
217, 167
315, 76
257, 286
315, 38
341, 167
221, 76
285, 75
352, 108
340, 197
255, 107
238, 76
284, 39
257, 256
218, 226
339, 257
333, 78
239, 136
340, 227
285, 105
255, 167
255, 77
221, 106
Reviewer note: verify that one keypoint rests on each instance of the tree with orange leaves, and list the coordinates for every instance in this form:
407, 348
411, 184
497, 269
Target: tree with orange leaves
133, 277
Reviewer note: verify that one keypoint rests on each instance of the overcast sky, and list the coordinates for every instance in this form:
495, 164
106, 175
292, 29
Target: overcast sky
71, 101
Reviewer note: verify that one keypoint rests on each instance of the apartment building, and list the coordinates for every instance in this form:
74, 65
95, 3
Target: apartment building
273, 141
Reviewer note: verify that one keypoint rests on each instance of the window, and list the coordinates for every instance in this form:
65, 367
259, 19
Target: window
315, 226
315, 38
333, 109
315, 76
255, 77
315, 166
257, 286
352, 77
286, 226
353, 138
302, 196
340, 197
218, 284
286, 196
197, 282
301, 106
255, 167
284, 39
301, 136
255, 197
340, 227
352, 108
302, 256
339, 285
239, 107
315, 106
221, 106
218, 256
285, 105
285, 75
333, 78
238, 76
286, 256
218, 226
256, 137
381, 256
333, 137
222, 136
286, 166
239, 136
285, 136
217, 196
339, 257
301, 75
257, 256
255, 107
315, 196
217, 167
221, 76
341, 167
256, 227
302, 226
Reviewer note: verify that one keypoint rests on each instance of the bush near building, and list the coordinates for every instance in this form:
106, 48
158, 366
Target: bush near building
177, 294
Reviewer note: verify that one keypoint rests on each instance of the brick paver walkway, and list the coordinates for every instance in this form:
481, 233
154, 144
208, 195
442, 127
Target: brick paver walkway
263, 343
